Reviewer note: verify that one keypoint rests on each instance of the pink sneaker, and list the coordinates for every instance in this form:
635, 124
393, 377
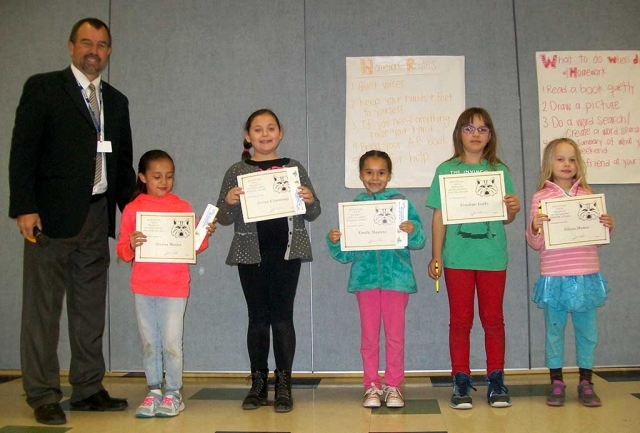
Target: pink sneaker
371, 397
587, 396
393, 397
556, 393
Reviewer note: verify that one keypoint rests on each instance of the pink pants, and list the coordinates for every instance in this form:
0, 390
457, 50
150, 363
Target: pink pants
461, 287
376, 306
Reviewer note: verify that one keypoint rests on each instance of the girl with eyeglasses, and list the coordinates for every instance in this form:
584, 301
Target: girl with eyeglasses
474, 258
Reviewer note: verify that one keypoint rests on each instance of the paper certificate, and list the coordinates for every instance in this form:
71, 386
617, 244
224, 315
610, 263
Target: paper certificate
270, 194
574, 221
373, 225
472, 197
170, 237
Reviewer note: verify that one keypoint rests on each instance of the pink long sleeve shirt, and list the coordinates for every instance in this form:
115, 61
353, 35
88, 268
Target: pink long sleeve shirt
566, 261
154, 279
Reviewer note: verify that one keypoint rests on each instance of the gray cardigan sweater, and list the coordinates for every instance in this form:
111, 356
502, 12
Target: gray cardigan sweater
244, 246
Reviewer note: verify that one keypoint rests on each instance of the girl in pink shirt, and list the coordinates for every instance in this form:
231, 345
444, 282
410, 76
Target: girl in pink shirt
160, 289
570, 280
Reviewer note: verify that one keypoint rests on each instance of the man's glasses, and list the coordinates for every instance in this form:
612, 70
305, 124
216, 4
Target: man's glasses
470, 129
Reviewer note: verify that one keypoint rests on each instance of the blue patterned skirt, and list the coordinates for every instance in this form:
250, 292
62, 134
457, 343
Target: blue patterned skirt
578, 293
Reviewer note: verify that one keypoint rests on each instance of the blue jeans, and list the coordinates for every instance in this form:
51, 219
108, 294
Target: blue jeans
161, 322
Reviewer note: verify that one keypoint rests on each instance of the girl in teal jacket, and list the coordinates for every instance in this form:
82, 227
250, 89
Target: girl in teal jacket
382, 281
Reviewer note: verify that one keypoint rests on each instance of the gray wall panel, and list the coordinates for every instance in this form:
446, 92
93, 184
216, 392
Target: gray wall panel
34, 38
194, 71
567, 26
338, 29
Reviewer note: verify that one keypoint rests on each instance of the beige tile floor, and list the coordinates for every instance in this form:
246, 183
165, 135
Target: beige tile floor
334, 405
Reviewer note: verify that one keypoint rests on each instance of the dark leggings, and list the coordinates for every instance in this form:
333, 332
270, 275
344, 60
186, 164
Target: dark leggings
270, 290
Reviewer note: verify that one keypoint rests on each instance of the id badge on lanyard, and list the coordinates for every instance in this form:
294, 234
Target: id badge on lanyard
98, 121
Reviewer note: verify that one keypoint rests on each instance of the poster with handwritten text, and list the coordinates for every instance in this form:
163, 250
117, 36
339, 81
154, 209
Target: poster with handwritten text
590, 97
406, 106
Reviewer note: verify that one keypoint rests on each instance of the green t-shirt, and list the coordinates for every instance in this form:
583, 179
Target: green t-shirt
478, 246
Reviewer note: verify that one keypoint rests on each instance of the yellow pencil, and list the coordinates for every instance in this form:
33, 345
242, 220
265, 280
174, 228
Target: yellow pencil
539, 213
437, 278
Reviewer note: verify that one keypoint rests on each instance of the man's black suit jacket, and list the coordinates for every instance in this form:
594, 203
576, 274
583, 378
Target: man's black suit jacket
53, 150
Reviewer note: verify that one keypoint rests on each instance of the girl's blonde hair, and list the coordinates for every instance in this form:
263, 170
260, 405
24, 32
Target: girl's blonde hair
546, 168
490, 150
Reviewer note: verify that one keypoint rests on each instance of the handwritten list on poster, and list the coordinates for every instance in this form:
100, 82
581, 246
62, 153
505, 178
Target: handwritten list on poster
591, 97
406, 106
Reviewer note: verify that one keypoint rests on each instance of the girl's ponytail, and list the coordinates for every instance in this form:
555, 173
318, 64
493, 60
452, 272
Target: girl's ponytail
245, 153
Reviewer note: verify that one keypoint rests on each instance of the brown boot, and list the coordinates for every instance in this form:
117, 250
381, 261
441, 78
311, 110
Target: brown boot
257, 395
284, 402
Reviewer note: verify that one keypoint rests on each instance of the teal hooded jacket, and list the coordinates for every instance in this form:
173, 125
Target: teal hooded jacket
382, 269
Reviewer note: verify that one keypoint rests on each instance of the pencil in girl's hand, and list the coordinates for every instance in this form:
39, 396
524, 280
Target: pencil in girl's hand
539, 213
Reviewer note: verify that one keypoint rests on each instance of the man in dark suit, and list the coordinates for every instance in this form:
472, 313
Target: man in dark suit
70, 164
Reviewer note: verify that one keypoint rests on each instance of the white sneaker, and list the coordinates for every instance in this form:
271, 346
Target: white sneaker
372, 397
393, 397
172, 405
149, 405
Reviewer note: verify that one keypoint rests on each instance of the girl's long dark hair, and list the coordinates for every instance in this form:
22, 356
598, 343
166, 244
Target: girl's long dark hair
247, 125
143, 166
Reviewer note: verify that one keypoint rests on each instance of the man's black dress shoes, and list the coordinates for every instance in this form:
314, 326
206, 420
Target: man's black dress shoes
100, 402
50, 414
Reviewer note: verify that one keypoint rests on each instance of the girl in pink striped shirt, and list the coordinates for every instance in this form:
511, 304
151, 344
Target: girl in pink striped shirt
570, 279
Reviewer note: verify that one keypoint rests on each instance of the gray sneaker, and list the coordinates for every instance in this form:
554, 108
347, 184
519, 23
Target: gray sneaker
149, 405
587, 396
497, 393
556, 395
172, 405
461, 398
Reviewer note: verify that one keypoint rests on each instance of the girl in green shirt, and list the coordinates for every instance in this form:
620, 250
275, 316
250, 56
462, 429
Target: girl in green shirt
473, 257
